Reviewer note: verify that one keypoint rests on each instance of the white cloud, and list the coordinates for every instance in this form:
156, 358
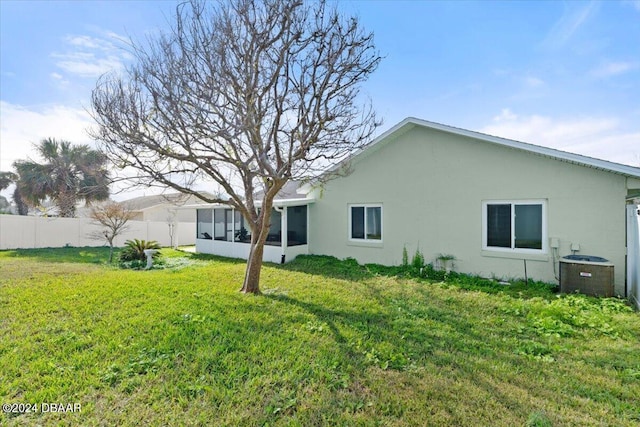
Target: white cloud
21, 127
533, 82
87, 42
117, 38
610, 69
90, 57
59, 80
505, 115
574, 17
599, 137
87, 65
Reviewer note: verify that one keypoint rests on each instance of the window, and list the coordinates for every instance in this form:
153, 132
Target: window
229, 225
365, 222
296, 225
514, 226
204, 223
219, 224
274, 238
242, 230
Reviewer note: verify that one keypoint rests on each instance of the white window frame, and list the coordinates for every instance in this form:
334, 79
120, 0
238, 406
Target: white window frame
350, 224
513, 249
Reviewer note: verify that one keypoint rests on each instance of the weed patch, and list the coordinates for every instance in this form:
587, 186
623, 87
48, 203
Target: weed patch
568, 315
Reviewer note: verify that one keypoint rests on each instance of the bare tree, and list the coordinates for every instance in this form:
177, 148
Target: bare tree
249, 94
113, 217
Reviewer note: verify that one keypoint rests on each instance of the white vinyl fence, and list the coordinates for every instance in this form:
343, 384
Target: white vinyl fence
24, 232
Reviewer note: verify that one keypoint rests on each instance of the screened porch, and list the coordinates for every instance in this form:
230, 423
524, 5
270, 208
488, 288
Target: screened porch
223, 231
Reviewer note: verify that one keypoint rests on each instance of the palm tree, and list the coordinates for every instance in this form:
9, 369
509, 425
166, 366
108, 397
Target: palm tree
6, 179
70, 173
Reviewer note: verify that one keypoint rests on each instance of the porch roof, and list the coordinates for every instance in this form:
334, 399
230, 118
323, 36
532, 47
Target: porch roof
278, 203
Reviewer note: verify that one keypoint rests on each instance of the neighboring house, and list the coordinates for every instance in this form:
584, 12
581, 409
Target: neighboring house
493, 203
170, 207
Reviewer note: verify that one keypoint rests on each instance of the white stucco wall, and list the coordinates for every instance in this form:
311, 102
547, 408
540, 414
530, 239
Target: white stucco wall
432, 185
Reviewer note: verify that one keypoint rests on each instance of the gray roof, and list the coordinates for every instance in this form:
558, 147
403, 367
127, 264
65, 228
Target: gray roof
177, 199
287, 192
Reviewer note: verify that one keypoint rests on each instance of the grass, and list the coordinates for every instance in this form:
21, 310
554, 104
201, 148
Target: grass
329, 343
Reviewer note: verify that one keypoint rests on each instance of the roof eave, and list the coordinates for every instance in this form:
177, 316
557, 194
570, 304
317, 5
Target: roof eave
578, 159
277, 203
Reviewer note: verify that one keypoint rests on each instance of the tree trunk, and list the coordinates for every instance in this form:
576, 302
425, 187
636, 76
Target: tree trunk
251, 284
66, 202
22, 207
110, 252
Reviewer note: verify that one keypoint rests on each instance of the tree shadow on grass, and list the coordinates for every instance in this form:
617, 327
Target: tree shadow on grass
209, 257
323, 314
393, 328
397, 338
328, 266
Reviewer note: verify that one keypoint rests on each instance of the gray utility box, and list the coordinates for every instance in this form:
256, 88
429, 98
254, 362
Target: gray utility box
589, 275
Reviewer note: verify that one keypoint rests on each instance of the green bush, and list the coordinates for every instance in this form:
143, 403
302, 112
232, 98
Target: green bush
405, 258
417, 262
134, 250
414, 268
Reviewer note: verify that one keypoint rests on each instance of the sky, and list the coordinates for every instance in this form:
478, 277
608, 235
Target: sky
559, 74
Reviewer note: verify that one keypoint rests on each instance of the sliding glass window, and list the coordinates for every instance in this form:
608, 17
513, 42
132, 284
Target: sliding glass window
365, 222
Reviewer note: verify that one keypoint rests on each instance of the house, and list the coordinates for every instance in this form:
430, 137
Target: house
169, 207
499, 206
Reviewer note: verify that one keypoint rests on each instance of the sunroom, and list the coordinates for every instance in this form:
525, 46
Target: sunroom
222, 230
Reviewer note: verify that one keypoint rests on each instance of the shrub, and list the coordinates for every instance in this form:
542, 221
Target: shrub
405, 258
134, 250
413, 269
432, 274
418, 261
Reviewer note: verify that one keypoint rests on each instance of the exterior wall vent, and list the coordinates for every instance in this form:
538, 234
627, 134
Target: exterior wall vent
586, 274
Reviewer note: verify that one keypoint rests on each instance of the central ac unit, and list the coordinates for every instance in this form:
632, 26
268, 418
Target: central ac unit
586, 274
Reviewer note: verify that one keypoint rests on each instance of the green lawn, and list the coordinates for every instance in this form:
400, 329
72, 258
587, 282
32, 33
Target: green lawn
329, 343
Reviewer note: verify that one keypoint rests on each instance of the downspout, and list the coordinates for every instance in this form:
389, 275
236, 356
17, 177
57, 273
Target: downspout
283, 232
